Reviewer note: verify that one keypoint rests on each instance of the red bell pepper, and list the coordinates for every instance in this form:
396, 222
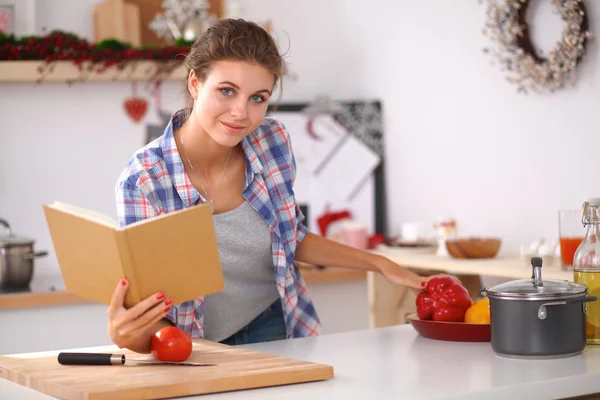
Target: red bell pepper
444, 299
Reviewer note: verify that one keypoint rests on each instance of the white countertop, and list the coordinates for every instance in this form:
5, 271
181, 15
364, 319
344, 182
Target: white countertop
394, 362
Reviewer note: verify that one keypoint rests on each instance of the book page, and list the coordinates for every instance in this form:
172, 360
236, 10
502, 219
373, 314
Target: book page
85, 213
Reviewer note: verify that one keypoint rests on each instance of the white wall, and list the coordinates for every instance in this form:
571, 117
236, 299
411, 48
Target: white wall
460, 140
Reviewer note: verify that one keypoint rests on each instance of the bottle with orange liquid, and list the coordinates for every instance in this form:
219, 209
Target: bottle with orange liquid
586, 266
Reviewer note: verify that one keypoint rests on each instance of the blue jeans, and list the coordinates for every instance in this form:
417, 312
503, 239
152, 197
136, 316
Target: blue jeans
268, 326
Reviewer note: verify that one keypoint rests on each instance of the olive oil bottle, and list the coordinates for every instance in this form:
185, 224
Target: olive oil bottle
586, 266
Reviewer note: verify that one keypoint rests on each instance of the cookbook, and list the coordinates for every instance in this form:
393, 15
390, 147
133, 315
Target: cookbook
175, 253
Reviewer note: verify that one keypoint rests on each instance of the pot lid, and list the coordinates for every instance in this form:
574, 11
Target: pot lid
535, 287
8, 239
525, 288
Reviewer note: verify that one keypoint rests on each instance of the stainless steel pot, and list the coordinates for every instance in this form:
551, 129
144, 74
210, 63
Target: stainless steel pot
16, 259
538, 318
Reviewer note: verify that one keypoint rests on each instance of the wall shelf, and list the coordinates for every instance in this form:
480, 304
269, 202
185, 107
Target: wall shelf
66, 71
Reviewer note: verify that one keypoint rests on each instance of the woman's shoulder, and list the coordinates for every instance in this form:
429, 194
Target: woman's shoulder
141, 163
151, 162
271, 132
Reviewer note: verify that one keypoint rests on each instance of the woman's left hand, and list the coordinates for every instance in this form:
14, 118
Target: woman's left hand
401, 276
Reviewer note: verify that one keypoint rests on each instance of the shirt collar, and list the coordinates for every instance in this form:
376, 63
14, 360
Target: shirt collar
187, 192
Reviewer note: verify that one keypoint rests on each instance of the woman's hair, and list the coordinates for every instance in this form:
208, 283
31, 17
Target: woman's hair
235, 39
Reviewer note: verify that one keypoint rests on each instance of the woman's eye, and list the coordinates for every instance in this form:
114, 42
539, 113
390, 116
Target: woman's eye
257, 99
227, 91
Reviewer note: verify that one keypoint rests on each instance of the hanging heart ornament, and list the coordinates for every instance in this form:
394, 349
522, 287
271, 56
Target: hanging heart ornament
136, 107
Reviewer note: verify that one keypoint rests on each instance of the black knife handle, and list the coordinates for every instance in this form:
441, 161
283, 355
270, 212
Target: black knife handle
90, 359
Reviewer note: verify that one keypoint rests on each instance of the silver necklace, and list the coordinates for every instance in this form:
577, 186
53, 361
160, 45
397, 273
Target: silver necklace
209, 198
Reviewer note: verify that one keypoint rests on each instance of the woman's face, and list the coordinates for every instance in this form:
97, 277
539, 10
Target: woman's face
232, 101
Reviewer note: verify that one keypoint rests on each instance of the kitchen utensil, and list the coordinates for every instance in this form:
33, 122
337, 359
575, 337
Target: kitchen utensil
16, 259
238, 369
115, 359
473, 247
538, 318
450, 331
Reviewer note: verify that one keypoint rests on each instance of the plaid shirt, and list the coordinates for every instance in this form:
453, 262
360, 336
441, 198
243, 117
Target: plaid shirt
154, 182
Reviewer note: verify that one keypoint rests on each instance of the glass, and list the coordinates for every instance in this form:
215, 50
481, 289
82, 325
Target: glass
570, 233
586, 265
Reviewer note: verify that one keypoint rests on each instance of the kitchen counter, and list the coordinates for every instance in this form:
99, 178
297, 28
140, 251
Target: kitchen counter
503, 267
47, 290
395, 362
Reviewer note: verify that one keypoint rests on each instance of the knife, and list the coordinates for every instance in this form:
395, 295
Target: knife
114, 359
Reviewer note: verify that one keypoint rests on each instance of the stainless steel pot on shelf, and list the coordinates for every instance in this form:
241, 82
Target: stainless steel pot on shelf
17, 256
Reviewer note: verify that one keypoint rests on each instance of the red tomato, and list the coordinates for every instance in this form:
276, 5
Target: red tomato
171, 344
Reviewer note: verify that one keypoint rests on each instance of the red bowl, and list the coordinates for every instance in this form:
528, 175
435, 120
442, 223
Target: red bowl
451, 331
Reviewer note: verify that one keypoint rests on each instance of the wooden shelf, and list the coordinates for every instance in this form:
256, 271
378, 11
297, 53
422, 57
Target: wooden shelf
312, 274
29, 300
66, 71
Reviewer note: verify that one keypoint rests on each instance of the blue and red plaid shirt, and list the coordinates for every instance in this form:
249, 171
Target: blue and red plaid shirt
154, 182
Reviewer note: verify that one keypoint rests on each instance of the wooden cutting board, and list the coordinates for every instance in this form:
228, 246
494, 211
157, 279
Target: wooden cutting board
236, 369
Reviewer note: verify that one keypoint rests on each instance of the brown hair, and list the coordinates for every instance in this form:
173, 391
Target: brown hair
235, 39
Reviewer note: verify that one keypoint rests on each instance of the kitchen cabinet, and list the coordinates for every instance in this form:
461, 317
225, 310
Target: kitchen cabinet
46, 317
52, 327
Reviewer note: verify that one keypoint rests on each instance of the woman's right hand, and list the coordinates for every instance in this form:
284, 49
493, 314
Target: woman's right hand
133, 328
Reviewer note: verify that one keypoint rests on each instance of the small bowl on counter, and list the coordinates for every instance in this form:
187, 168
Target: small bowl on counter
473, 247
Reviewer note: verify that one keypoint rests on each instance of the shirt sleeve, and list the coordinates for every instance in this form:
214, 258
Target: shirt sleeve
132, 204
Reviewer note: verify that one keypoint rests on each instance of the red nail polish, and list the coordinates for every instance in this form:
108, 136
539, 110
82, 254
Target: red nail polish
423, 284
168, 302
123, 282
160, 296
167, 309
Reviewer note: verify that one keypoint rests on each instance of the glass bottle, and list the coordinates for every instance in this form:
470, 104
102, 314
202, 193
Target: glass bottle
586, 266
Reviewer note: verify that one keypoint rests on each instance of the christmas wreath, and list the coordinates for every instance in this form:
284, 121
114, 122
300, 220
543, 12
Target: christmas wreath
88, 57
506, 26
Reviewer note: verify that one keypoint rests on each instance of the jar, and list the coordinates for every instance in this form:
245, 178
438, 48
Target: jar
586, 266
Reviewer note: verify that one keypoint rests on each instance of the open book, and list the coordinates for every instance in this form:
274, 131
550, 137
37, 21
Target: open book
175, 253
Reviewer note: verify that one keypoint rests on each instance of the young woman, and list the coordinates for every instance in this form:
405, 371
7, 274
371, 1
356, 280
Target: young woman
225, 152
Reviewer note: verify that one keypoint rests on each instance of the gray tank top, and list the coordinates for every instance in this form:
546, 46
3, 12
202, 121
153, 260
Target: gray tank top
246, 256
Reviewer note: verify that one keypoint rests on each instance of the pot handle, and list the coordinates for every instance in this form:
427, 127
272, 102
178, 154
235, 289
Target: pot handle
543, 313
31, 256
4, 223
